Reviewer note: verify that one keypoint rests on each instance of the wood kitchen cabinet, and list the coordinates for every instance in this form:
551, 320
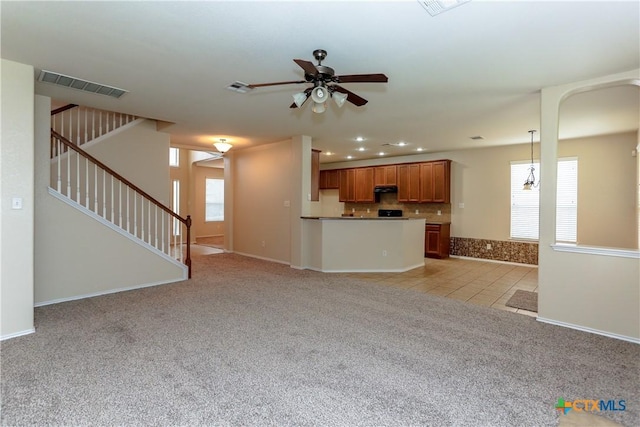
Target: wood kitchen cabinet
347, 185
436, 240
364, 185
329, 179
385, 175
409, 182
315, 175
435, 181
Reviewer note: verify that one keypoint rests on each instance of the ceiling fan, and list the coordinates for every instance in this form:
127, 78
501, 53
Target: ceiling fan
325, 84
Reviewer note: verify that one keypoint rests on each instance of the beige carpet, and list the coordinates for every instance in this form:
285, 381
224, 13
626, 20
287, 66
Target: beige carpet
525, 300
248, 342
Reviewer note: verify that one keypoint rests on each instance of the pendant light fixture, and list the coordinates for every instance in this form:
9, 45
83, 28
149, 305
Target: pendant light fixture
531, 179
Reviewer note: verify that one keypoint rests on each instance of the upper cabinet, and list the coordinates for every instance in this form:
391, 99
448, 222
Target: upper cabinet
428, 182
409, 182
441, 178
425, 182
364, 185
347, 182
385, 175
329, 179
315, 175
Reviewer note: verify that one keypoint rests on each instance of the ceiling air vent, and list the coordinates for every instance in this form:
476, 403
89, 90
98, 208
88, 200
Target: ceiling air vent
477, 138
436, 7
79, 84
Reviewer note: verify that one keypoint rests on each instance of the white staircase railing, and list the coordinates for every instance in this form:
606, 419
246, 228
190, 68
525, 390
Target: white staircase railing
83, 179
83, 124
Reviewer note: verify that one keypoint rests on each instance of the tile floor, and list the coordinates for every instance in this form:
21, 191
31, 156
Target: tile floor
479, 282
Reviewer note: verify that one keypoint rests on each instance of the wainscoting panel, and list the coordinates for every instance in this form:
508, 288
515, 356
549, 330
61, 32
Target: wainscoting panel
518, 252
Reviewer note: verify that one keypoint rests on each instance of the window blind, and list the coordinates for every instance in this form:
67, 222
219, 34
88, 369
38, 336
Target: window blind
525, 204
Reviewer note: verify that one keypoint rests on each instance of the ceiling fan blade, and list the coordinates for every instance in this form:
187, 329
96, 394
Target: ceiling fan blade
306, 92
307, 66
362, 78
276, 83
351, 97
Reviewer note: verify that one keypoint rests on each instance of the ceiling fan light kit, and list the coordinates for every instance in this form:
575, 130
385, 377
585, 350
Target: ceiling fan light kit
325, 84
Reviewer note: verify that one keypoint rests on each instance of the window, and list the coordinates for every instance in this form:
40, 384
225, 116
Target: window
525, 205
174, 157
214, 200
175, 205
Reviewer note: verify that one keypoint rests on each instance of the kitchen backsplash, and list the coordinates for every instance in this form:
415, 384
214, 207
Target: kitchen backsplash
429, 211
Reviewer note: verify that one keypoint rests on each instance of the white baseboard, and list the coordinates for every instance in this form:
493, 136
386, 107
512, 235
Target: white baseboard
17, 334
260, 257
106, 292
362, 270
590, 330
494, 261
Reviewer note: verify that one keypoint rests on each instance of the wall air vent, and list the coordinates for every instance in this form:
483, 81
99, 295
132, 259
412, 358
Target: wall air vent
79, 84
436, 7
239, 87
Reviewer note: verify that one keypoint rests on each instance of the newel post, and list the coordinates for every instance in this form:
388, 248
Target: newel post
187, 261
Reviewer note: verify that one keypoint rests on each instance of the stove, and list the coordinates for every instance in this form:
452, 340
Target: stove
390, 213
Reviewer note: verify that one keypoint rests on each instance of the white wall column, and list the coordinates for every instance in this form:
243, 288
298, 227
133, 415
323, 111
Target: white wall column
597, 291
17, 196
300, 194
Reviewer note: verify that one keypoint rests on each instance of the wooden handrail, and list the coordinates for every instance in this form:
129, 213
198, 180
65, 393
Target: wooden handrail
186, 221
61, 109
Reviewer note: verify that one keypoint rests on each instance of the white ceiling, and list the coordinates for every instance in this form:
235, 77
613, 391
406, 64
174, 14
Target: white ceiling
474, 70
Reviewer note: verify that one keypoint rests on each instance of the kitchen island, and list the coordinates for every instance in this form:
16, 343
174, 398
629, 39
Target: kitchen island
356, 244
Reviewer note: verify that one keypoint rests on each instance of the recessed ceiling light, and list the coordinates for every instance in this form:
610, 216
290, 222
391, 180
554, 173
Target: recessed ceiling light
361, 149
359, 139
349, 157
328, 153
401, 144
381, 153
419, 149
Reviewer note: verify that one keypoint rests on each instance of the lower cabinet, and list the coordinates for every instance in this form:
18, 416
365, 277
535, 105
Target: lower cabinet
436, 240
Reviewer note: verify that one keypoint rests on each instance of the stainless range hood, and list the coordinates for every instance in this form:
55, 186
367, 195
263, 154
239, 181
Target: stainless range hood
385, 189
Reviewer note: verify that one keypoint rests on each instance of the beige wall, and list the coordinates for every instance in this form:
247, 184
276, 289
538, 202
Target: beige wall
480, 179
141, 155
607, 214
16, 172
262, 187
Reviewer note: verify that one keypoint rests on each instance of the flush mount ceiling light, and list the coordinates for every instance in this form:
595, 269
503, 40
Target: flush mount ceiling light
531, 179
436, 7
222, 145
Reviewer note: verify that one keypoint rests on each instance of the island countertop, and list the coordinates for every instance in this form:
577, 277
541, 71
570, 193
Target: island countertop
384, 218
350, 218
